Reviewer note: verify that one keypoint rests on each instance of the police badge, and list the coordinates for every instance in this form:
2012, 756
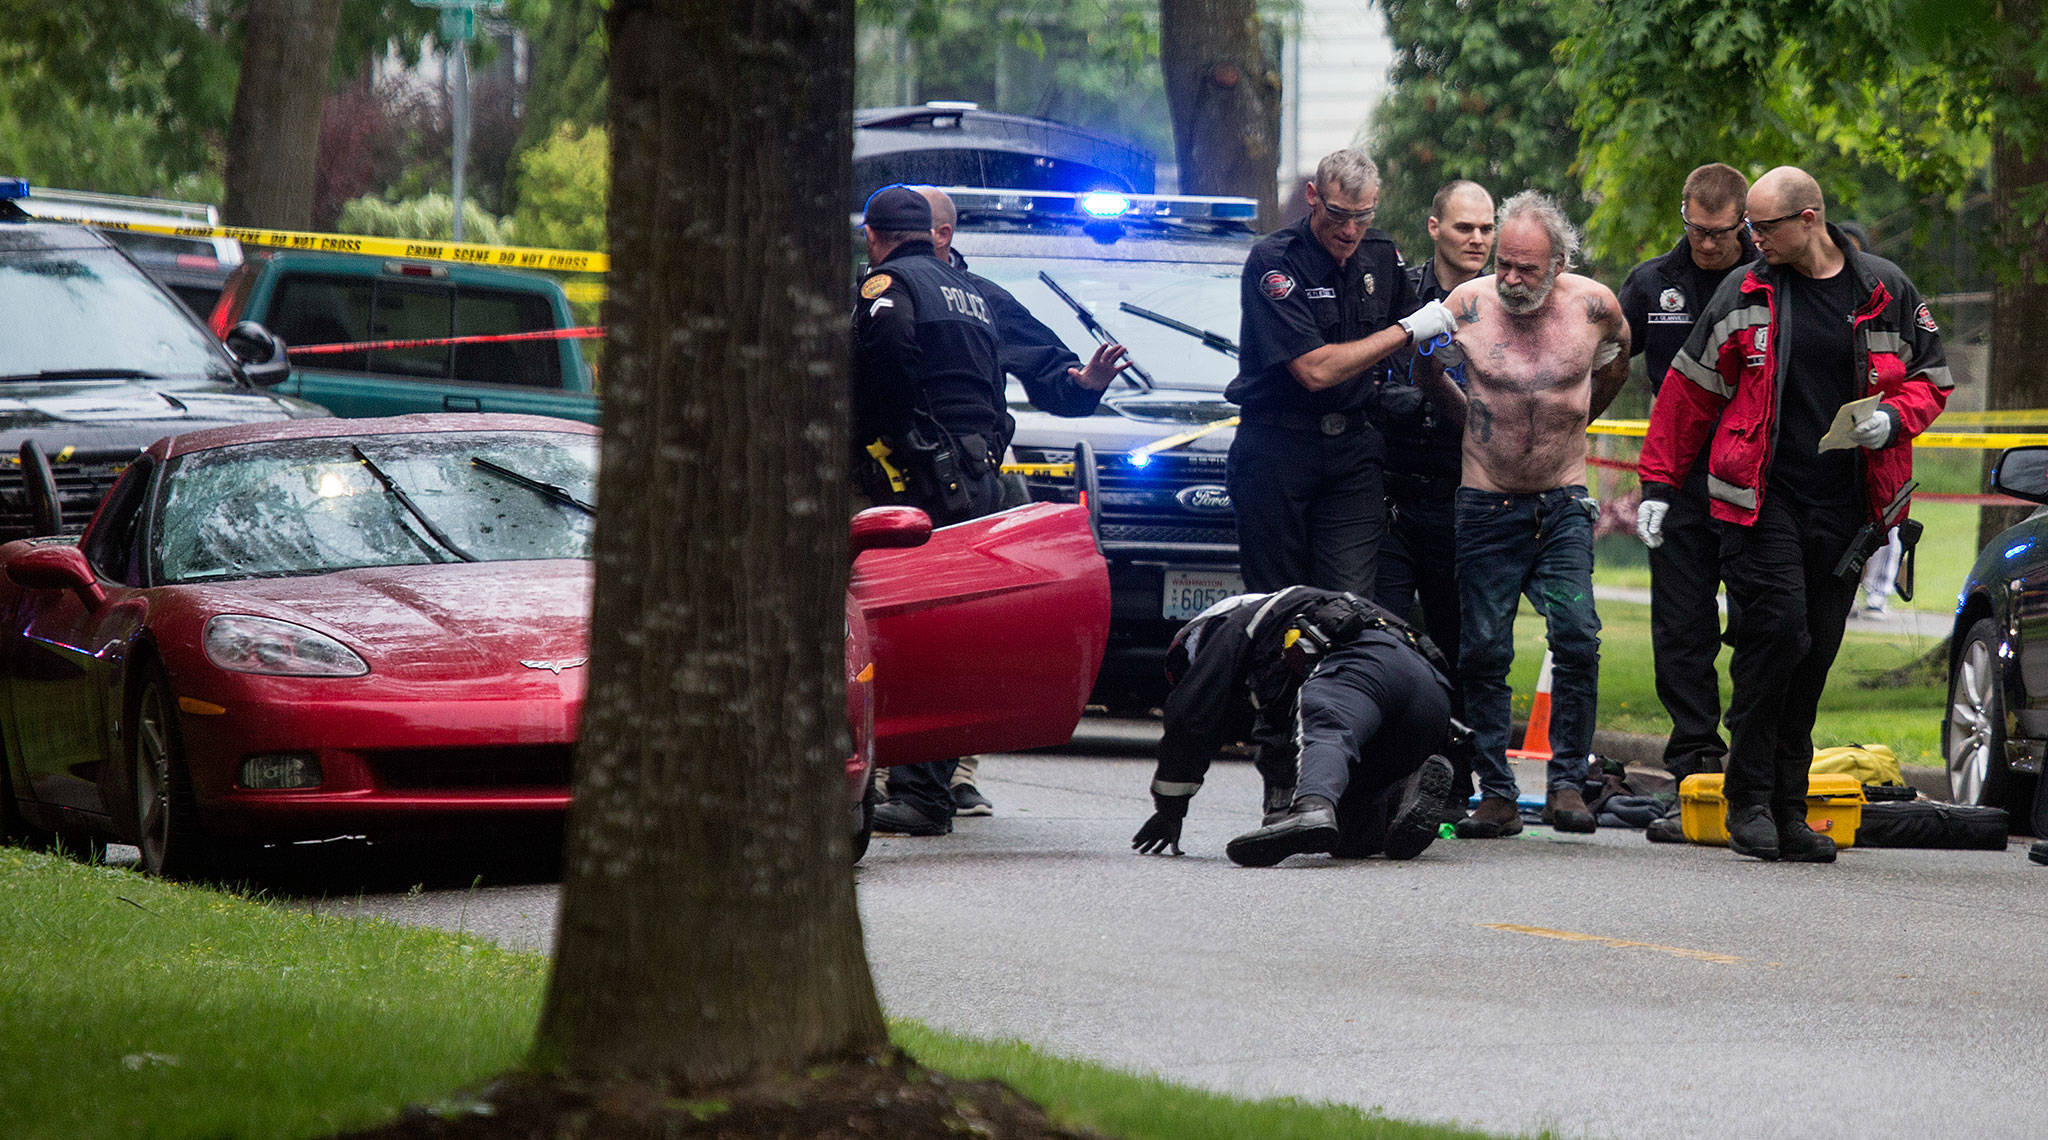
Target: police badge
1370, 284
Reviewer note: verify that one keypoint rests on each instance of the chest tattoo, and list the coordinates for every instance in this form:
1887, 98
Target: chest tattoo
1482, 419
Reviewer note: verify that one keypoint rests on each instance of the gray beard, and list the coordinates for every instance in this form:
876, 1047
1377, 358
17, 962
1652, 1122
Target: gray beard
1520, 300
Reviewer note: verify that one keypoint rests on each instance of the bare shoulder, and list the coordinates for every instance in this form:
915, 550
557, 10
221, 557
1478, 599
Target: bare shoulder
1582, 293
1469, 301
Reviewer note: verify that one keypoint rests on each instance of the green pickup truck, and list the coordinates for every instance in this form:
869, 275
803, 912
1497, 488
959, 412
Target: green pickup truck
312, 299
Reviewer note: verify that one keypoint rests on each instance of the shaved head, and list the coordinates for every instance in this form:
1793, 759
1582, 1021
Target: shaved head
1785, 190
943, 213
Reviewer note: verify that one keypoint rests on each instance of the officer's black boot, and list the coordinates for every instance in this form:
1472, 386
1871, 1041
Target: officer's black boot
1751, 832
1415, 828
1309, 826
1278, 802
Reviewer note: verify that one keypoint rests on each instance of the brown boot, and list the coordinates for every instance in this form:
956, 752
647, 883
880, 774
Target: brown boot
1565, 810
1496, 817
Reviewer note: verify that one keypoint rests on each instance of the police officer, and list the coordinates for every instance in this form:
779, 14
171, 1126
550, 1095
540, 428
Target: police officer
1661, 300
1369, 702
928, 419
1320, 303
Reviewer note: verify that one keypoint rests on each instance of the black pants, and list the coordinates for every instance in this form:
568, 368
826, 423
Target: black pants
1370, 714
1685, 630
1310, 508
1418, 568
1787, 613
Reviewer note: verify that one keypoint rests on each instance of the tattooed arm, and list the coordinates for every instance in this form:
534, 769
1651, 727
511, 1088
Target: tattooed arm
1610, 359
1433, 372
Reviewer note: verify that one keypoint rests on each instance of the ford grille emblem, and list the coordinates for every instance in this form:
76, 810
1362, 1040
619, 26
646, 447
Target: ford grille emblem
1205, 498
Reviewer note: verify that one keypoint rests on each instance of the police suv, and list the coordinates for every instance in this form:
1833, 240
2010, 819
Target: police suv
1158, 274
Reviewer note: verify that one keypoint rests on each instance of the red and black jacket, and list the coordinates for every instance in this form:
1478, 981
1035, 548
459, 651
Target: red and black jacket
1726, 381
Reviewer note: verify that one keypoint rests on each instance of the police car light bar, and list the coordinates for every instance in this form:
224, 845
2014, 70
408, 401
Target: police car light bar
1102, 205
13, 188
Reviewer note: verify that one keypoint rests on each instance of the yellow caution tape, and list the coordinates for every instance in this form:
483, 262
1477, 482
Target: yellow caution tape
1159, 445
2003, 418
467, 253
584, 292
1954, 440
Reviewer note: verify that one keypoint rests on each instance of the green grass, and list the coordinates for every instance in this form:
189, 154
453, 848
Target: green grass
1906, 718
133, 1008
130, 1007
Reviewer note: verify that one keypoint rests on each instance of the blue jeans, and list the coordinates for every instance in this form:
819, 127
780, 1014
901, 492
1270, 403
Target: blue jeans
1539, 545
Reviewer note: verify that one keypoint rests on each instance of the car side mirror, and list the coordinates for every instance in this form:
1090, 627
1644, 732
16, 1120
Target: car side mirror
890, 528
2022, 472
57, 567
260, 352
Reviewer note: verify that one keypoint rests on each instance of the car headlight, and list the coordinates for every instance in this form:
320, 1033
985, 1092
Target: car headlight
244, 643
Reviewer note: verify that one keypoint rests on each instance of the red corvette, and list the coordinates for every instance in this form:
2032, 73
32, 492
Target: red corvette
325, 627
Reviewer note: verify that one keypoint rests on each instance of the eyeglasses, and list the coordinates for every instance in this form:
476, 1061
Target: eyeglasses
1702, 232
1346, 217
1768, 224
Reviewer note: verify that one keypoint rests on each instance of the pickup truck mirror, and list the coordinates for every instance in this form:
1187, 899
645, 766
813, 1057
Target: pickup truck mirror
260, 352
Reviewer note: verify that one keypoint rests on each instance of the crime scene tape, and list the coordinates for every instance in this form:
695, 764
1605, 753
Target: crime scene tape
589, 332
1962, 440
467, 253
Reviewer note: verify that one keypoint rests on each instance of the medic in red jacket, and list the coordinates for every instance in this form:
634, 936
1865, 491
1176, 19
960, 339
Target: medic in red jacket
1727, 379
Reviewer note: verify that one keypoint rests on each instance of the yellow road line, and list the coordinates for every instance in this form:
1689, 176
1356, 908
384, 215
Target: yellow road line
1619, 943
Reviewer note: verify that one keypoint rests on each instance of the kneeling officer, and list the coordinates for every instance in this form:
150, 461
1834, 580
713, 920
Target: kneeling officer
929, 424
1370, 706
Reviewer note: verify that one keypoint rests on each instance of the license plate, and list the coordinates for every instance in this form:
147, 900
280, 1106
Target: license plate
1189, 592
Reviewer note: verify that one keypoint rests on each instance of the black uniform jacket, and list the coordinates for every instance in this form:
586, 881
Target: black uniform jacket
1031, 352
1233, 651
1296, 299
924, 351
1663, 297
1420, 439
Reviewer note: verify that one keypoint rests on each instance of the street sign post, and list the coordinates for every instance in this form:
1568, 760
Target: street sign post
458, 27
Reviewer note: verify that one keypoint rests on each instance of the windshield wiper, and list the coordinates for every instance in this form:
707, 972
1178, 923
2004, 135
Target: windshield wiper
83, 374
1217, 341
404, 500
1134, 374
548, 491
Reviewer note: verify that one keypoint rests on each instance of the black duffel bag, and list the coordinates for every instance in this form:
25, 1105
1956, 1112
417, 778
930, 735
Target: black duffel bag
1930, 823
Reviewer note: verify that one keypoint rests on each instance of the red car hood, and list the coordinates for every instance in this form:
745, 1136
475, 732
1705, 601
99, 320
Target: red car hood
456, 620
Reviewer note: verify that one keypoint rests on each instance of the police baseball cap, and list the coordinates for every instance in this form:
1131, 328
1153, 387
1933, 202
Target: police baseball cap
897, 209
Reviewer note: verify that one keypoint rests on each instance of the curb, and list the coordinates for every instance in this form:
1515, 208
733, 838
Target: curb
1644, 755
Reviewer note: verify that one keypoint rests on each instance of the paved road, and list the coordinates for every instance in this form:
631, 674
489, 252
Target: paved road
1597, 986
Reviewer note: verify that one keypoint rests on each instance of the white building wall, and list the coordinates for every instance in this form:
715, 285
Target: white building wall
1334, 73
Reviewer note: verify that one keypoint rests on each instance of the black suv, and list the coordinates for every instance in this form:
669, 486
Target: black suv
1166, 523
99, 362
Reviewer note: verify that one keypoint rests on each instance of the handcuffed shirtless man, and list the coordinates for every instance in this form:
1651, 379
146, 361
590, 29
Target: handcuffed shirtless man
1543, 353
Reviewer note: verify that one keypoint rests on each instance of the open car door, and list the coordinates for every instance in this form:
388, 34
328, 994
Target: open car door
987, 637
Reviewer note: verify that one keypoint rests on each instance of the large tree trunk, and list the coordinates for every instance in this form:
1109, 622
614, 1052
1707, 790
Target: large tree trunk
1224, 98
708, 928
2019, 296
273, 144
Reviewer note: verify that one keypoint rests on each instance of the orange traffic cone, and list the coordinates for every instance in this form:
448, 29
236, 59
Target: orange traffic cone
1536, 741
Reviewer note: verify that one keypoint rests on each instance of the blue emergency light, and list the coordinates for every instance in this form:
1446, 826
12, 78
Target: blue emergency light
1105, 204
13, 188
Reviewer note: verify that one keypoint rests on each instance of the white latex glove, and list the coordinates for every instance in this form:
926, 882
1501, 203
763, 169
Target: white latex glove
1872, 430
1650, 521
1430, 321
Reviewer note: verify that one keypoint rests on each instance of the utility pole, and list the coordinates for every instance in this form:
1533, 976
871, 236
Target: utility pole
458, 27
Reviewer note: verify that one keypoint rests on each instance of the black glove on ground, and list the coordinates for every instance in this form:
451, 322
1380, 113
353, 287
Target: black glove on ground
1161, 833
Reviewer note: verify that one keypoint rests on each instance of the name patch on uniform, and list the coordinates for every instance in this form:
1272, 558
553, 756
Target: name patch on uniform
1924, 319
1320, 293
1276, 285
965, 303
1671, 300
1669, 318
875, 286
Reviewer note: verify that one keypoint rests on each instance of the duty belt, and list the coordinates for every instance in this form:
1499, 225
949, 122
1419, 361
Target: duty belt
1329, 423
